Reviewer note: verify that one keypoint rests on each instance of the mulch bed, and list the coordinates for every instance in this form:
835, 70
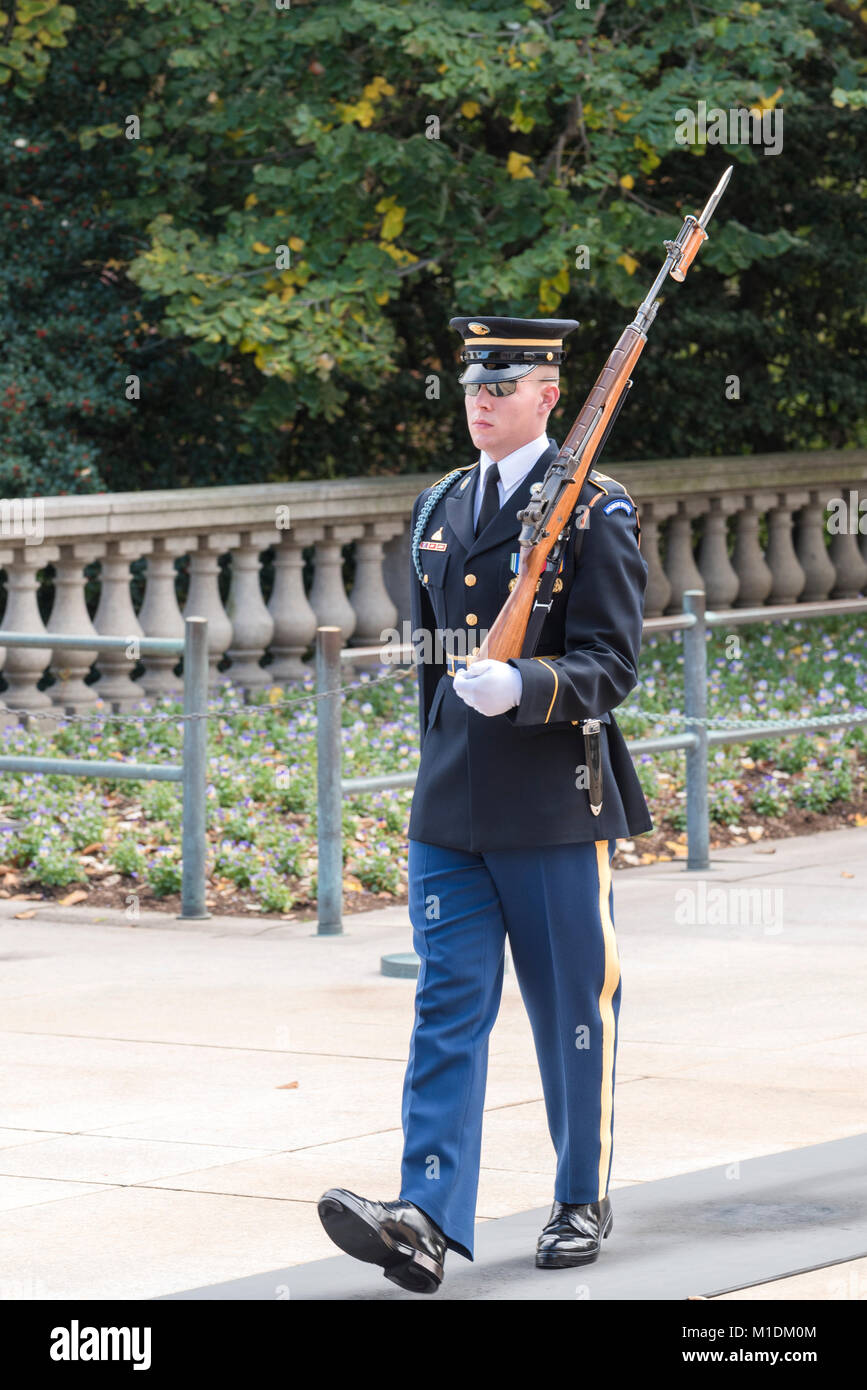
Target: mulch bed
658, 846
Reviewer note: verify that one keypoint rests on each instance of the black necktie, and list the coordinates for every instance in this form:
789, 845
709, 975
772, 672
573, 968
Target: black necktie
490, 499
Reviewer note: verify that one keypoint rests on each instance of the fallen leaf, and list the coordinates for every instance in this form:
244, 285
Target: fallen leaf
89, 849
676, 846
19, 915
845, 874
860, 820
352, 885
755, 832
77, 896
288, 1086
766, 849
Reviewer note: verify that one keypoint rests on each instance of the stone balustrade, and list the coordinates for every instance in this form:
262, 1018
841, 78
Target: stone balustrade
703, 521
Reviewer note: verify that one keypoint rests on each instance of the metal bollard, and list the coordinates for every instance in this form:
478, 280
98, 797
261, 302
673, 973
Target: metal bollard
695, 700
195, 768
329, 773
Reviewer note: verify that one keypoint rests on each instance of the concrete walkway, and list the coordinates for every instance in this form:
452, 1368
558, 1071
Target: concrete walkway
176, 1096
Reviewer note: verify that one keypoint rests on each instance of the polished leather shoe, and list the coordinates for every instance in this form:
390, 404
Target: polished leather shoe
397, 1235
573, 1234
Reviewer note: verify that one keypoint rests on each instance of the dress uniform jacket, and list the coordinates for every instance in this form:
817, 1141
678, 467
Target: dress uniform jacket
512, 780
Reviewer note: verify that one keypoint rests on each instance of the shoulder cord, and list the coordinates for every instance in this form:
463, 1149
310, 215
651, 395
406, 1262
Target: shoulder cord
428, 505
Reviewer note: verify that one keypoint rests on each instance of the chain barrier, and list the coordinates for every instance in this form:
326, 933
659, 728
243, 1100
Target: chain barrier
213, 711
720, 721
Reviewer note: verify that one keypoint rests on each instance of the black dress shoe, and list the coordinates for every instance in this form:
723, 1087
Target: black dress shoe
397, 1235
573, 1234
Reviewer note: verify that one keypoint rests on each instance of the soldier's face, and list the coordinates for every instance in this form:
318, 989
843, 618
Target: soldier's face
501, 424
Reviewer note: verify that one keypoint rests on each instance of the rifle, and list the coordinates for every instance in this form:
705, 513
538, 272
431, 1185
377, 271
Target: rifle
545, 519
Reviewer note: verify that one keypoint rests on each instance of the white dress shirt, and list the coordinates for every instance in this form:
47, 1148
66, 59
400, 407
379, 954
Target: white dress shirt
513, 470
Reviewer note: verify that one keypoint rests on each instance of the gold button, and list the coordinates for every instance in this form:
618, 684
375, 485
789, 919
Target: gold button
425, 579
471, 620
469, 579
574, 721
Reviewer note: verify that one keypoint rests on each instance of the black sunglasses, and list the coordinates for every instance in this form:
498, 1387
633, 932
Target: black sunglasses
499, 388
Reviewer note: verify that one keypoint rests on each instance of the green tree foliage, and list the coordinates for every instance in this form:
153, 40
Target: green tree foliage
274, 211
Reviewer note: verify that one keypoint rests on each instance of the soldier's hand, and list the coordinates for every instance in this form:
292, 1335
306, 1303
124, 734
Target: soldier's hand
490, 687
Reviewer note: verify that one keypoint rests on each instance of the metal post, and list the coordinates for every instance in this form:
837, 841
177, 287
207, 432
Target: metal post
329, 893
695, 699
195, 765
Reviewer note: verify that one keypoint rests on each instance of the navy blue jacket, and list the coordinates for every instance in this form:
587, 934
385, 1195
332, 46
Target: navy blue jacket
508, 781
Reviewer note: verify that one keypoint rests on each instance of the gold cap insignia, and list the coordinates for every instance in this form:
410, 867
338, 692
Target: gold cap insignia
478, 328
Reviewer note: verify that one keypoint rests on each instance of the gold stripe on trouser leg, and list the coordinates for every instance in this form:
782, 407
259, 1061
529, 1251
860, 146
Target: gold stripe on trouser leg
606, 1013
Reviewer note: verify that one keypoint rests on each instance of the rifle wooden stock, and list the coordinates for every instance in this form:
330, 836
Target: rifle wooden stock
506, 637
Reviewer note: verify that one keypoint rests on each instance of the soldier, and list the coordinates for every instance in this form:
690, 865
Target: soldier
506, 833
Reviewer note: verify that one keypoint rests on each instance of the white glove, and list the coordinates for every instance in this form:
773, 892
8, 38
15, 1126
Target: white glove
491, 687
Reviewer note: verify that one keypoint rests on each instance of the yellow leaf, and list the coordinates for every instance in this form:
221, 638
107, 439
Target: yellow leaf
382, 297
470, 109
392, 222
352, 885
377, 88
627, 181
860, 820
286, 294
768, 103
362, 111
628, 262
251, 200
295, 243
194, 299
262, 249
516, 166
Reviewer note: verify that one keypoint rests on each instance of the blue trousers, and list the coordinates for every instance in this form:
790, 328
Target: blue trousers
556, 905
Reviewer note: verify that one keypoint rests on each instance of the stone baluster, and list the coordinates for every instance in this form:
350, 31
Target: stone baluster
395, 572
812, 552
294, 619
681, 569
850, 571
252, 624
160, 614
328, 596
788, 577
754, 576
70, 618
25, 665
721, 582
116, 617
658, 593
203, 598
7, 556
374, 610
